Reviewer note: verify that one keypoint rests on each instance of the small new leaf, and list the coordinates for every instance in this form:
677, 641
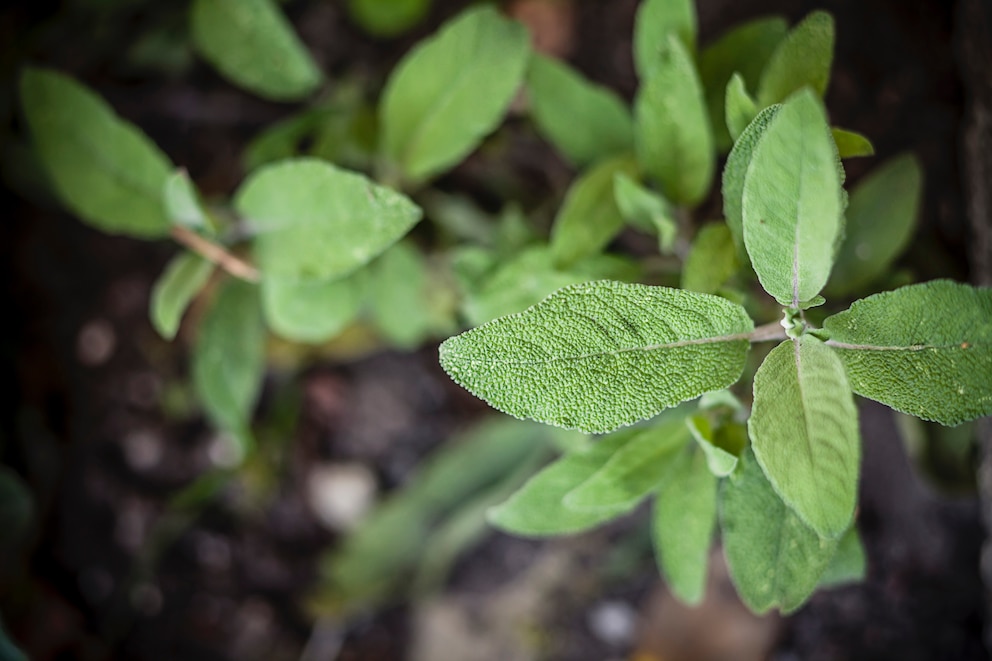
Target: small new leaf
851, 144
181, 281
802, 59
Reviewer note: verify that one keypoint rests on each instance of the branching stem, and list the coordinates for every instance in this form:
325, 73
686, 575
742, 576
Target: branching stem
216, 253
770, 331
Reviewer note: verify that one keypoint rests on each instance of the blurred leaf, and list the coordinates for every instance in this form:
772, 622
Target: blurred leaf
740, 107
312, 311
182, 202
803, 58
104, 169
848, 563
657, 20
851, 144
459, 216
711, 261
645, 209
451, 91
179, 284
282, 139
388, 18
398, 296
318, 222
513, 231
252, 44
584, 121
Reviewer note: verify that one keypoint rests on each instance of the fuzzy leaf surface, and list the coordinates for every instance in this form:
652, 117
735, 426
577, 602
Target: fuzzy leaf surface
804, 58
711, 261
924, 349
656, 20
179, 283
601, 355
312, 311
736, 169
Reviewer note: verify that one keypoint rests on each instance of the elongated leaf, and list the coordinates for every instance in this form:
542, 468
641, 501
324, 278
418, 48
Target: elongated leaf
104, 169
683, 524
711, 260
736, 170
775, 559
318, 222
848, 563
745, 50
740, 107
802, 59
656, 21
589, 217
252, 44
720, 459
451, 91
312, 311
398, 296
601, 355
672, 130
881, 218
537, 509
646, 210
641, 466
388, 18
851, 144
792, 202
176, 287
804, 431
182, 202
924, 349
584, 121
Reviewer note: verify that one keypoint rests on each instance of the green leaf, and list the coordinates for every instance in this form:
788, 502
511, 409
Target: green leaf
656, 20
881, 217
719, 457
645, 209
451, 91
741, 109
584, 121
601, 355
924, 349
104, 169
791, 205
736, 169
804, 431
851, 144
312, 311
537, 509
589, 218
229, 357
672, 130
318, 222
744, 50
182, 202
848, 563
282, 139
712, 259
683, 523
252, 44
802, 59
636, 469
775, 559
388, 18
398, 296
179, 283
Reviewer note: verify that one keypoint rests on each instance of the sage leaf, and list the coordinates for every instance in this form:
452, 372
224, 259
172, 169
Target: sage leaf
719, 458
712, 259
683, 523
252, 44
803, 59
792, 211
182, 202
923, 349
398, 296
318, 222
804, 431
179, 283
775, 559
312, 311
881, 218
601, 355
736, 169
588, 218
656, 20
104, 169
646, 210
848, 563
387, 18
671, 127
740, 107
584, 121
851, 144
451, 91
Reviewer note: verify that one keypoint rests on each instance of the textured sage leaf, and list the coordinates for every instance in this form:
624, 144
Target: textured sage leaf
182, 202
656, 20
584, 121
683, 524
802, 59
451, 91
252, 44
744, 50
179, 283
791, 205
924, 349
636, 469
848, 563
736, 169
601, 355
387, 18
804, 431
851, 144
312, 311
775, 559
645, 209
398, 296
104, 169
711, 261
881, 217
589, 218
740, 107
671, 127
318, 222
720, 460
537, 509
229, 357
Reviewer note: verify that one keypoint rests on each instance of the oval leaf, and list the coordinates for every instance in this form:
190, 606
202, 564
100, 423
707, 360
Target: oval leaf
181, 281
312, 311
802, 59
655, 21
602, 355
388, 18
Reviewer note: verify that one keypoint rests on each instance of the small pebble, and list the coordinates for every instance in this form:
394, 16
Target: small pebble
96, 342
142, 449
341, 494
613, 622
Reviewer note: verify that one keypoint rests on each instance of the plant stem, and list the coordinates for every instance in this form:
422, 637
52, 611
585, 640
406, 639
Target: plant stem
216, 253
770, 331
